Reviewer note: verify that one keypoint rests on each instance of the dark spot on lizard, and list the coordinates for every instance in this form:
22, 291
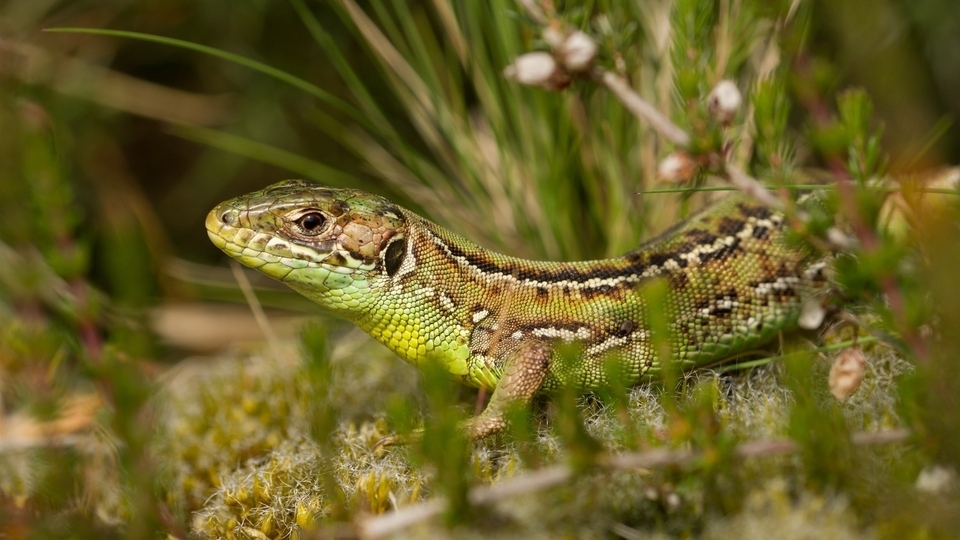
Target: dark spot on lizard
659, 259
729, 294
723, 252
635, 257
729, 226
756, 211
338, 208
783, 271
335, 259
625, 328
700, 236
393, 258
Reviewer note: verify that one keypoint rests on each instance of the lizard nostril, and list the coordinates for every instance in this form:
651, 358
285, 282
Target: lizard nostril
229, 217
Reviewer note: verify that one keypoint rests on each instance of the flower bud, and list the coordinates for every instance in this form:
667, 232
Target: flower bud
846, 373
840, 239
811, 314
537, 69
676, 167
553, 36
578, 51
936, 480
724, 101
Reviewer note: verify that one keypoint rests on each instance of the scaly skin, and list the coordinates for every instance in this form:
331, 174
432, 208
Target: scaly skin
498, 322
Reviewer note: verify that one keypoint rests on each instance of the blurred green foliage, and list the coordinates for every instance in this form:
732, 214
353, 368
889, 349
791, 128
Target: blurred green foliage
113, 149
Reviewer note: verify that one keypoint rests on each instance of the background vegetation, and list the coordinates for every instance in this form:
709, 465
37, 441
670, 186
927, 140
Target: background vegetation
136, 398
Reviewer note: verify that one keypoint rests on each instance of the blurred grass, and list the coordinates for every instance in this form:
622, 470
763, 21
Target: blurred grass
113, 150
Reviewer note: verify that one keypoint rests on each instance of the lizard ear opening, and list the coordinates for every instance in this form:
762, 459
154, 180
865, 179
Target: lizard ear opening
394, 255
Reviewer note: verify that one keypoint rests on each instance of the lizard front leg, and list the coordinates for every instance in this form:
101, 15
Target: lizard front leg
523, 375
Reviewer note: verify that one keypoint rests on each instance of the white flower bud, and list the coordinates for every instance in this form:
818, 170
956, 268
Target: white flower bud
536, 69
936, 480
846, 373
676, 167
578, 51
724, 101
811, 314
840, 239
553, 36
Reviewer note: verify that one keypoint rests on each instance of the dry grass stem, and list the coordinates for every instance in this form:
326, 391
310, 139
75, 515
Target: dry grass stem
644, 110
549, 477
35, 65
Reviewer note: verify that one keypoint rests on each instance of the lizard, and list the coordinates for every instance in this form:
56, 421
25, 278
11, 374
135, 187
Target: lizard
500, 322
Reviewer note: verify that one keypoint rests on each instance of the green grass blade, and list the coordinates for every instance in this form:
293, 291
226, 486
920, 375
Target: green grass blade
342, 65
267, 154
278, 74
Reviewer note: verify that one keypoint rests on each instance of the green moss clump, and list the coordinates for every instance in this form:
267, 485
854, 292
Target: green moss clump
772, 510
245, 463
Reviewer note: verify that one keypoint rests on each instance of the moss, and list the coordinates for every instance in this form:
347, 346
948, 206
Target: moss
242, 458
773, 511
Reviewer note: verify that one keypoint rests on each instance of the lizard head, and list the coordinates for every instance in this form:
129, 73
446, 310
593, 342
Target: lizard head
332, 245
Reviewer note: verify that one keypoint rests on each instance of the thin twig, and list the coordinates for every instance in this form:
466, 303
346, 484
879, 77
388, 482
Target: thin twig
644, 110
549, 477
750, 186
543, 479
534, 11
11, 444
262, 321
391, 522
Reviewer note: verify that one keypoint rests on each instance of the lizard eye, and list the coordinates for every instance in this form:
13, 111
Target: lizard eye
311, 224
